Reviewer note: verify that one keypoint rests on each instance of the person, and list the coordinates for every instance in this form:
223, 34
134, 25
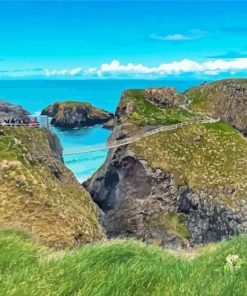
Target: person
33, 122
25, 121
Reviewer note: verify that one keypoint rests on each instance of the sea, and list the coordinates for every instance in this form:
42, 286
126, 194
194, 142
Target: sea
35, 95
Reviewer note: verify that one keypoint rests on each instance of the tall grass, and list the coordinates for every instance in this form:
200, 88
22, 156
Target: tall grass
119, 268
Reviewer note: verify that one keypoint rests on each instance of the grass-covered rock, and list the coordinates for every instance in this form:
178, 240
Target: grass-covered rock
200, 156
39, 194
72, 114
124, 268
176, 188
225, 99
137, 108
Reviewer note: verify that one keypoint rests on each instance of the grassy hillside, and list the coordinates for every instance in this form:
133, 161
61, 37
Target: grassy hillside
39, 194
123, 268
201, 156
225, 99
147, 113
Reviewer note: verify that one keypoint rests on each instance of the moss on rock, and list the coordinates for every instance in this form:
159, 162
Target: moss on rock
71, 114
225, 99
39, 194
200, 156
144, 112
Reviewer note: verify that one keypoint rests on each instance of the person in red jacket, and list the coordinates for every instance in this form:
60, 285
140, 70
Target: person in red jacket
33, 122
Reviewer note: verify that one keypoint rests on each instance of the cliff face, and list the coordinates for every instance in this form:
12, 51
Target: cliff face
226, 99
76, 114
176, 188
39, 194
9, 111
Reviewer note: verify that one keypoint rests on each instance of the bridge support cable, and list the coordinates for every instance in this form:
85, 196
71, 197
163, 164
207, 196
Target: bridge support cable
119, 143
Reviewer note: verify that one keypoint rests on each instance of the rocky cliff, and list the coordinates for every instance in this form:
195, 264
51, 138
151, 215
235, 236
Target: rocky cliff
177, 188
39, 194
225, 99
9, 111
76, 114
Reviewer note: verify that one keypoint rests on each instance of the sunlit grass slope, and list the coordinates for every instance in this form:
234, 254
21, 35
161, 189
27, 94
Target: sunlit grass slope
120, 268
39, 194
201, 156
146, 113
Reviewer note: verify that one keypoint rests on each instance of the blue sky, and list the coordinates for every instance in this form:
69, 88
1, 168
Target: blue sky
123, 39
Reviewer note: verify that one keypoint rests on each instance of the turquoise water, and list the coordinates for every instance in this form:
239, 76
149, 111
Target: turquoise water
35, 95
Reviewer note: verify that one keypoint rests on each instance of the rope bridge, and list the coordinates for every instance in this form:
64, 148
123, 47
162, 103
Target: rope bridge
119, 143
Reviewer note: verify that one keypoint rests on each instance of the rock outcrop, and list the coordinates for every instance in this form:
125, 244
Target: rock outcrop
225, 99
163, 97
10, 111
39, 194
76, 115
109, 124
178, 188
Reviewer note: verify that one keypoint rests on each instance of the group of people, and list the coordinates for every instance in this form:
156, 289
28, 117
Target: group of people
19, 121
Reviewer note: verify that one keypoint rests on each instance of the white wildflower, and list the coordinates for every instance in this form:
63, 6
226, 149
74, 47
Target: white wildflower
233, 262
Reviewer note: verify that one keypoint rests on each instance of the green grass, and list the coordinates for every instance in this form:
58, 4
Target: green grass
72, 104
200, 156
199, 99
55, 209
173, 223
221, 126
146, 113
205, 98
123, 268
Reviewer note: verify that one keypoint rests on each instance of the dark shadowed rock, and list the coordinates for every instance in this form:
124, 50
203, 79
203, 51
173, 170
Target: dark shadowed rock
76, 114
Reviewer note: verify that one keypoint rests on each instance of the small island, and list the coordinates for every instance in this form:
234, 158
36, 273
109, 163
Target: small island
72, 114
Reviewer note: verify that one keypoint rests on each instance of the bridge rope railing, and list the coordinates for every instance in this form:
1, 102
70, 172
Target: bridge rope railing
119, 143
21, 124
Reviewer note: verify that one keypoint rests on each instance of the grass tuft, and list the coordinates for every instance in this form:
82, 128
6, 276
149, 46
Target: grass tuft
124, 268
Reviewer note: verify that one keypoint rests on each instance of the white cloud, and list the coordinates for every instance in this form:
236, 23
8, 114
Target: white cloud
63, 72
213, 67
55, 72
75, 71
170, 37
116, 69
191, 35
